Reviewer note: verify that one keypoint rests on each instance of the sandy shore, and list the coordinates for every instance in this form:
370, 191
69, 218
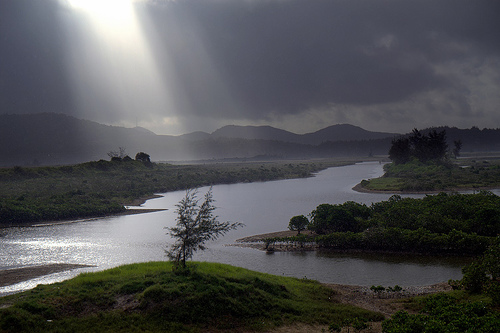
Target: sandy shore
16, 275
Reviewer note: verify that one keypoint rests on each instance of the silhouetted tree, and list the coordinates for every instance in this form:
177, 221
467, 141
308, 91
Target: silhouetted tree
143, 157
431, 147
435, 146
400, 151
196, 225
115, 155
457, 147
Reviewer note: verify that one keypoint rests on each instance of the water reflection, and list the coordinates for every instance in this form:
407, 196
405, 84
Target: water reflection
262, 207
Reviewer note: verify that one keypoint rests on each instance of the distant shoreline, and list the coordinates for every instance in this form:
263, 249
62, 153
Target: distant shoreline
361, 189
128, 211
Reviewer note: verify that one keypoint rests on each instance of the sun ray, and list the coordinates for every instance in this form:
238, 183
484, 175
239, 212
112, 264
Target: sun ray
111, 62
113, 11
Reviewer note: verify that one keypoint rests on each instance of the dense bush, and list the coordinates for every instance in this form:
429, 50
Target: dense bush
445, 314
442, 223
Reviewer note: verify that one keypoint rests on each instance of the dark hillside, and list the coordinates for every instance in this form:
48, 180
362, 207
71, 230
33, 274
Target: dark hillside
55, 139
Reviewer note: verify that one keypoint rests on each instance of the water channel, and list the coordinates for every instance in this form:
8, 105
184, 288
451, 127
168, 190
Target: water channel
263, 207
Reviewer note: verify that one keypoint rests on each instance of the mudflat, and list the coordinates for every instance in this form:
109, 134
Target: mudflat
16, 275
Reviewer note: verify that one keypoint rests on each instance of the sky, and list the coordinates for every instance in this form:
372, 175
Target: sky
175, 67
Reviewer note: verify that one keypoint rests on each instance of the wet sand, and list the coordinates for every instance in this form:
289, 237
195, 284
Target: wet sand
16, 275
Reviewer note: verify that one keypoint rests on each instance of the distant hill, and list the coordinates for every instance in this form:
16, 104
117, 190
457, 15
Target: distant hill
52, 139
255, 133
342, 132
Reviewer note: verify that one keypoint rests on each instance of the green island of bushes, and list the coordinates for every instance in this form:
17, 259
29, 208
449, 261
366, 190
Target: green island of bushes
446, 223
100, 188
435, 176
154, 297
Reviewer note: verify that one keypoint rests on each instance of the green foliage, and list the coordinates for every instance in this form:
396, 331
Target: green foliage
196, 225
153, 297
445, 314
298, 223
482, 275
377, 289
327, 218
442, 223
436, 176
357, 323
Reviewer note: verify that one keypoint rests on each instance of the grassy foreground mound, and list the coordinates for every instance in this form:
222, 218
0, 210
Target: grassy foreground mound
154, 297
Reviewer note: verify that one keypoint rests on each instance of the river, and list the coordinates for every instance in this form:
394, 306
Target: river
263, 207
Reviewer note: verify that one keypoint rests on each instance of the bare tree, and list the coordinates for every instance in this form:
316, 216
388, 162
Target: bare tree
121, 153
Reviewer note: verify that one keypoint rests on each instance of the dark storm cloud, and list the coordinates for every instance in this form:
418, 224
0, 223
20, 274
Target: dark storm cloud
256, 58
286, 56
32, 64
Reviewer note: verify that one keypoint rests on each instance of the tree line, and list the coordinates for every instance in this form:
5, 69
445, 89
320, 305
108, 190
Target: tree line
443, 223
423, 147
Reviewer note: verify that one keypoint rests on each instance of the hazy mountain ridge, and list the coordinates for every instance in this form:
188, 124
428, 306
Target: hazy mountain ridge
340, 132
50, 139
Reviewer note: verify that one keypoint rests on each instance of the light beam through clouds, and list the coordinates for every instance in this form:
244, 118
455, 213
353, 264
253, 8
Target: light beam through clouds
179, 66
113, 70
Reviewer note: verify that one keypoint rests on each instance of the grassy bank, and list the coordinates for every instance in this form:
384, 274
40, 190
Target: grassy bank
153, 297
416, 176
100, 188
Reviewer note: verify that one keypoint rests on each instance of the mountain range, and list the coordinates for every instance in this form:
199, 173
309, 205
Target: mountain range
342, 132
54, 139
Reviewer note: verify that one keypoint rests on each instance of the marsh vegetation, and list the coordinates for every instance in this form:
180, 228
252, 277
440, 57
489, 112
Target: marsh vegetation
101, 188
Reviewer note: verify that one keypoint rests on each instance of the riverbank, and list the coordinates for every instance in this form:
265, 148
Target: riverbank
360, 188
99, 188
122, 298
16, 275
128, 211
386, 303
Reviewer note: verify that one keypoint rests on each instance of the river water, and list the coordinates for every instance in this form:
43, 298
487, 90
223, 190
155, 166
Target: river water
263, 207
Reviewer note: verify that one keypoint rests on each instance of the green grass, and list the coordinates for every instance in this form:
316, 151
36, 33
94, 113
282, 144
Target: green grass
453, 312
418, 176
153, 297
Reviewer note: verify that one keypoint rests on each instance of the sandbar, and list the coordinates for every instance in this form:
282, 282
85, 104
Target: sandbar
16, 275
